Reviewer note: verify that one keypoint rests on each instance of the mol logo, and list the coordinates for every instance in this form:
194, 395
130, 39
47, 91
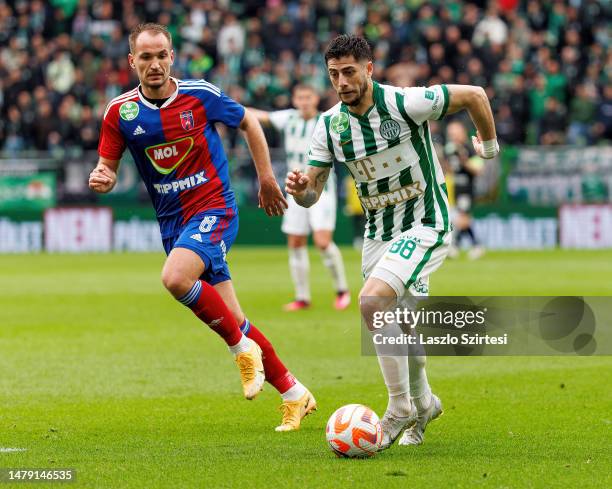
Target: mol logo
166, 157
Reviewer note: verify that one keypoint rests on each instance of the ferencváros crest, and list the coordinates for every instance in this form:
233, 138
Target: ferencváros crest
389, 129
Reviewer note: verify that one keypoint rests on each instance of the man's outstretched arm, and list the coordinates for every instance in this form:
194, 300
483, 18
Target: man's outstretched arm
262, 116
475, 101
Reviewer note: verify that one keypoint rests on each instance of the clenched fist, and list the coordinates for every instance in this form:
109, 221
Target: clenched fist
102, 179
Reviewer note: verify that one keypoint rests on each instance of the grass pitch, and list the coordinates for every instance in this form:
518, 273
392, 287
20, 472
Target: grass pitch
102, 371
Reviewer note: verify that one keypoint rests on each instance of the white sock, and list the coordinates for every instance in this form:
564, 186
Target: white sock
419, 386
295, 393
400, 405
423, 402
299, 267
242, 346
395, 372
332, 259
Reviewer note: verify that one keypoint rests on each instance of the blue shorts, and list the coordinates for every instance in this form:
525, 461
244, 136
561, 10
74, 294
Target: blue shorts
210, 236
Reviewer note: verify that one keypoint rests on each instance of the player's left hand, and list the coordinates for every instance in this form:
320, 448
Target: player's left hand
485, 149
271, 198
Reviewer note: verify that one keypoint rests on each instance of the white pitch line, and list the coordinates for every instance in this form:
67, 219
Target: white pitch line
9, 450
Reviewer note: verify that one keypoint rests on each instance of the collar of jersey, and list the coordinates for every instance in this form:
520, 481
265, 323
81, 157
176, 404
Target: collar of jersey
315, 117
365, 115
166, 103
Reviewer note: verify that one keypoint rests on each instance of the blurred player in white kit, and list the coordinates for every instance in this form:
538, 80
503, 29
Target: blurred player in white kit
297, 126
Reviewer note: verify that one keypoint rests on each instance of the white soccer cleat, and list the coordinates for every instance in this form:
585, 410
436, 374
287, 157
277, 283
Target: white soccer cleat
415, 434
393, 425
453, 252
251, 370
476, 253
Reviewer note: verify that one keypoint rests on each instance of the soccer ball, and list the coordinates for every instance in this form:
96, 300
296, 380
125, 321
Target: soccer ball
354, 431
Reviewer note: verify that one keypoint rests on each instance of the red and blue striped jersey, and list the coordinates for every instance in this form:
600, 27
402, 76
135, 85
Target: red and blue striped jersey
176, 148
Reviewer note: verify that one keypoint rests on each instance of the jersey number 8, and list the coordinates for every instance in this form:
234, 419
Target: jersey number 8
207, 223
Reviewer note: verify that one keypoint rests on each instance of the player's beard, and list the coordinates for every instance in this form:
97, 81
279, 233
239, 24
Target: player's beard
363, 87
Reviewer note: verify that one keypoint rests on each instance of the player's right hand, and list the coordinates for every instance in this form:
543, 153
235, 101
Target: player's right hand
102, 179
296, 182
271, 198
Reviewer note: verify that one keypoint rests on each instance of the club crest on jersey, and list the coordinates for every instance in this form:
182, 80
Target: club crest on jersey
339, 123
187, 120
166, 157
389, 129
421, 287
129, 111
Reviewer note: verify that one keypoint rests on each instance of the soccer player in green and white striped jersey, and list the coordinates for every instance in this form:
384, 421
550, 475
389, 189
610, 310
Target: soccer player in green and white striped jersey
381, 133
297, 126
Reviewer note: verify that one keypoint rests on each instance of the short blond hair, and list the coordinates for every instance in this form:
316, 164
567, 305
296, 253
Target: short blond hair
304, 86
149, 26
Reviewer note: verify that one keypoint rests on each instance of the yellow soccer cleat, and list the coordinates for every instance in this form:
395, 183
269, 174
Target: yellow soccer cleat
295, 411
251, 371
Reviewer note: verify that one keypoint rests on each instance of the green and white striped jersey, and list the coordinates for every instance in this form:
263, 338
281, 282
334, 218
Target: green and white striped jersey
297, 134
389, 153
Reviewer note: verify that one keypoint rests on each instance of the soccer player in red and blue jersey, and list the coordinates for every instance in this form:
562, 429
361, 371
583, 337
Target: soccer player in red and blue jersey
169, 127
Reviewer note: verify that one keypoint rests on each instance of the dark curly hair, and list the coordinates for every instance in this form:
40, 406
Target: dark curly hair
348, 45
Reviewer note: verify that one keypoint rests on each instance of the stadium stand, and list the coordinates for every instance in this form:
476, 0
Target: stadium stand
545, 63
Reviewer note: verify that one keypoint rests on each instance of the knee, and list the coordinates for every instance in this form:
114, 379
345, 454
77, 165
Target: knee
364, 302
176, 283
322, 243
375, 297
296, 242
378, 289
368, 307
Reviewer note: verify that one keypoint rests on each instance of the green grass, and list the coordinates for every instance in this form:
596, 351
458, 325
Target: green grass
100, 370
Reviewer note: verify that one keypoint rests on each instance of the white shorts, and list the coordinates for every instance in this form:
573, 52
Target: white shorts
464, 203
406, 262
301, 221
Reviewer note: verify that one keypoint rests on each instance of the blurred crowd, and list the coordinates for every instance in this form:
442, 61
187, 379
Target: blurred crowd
546, 65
